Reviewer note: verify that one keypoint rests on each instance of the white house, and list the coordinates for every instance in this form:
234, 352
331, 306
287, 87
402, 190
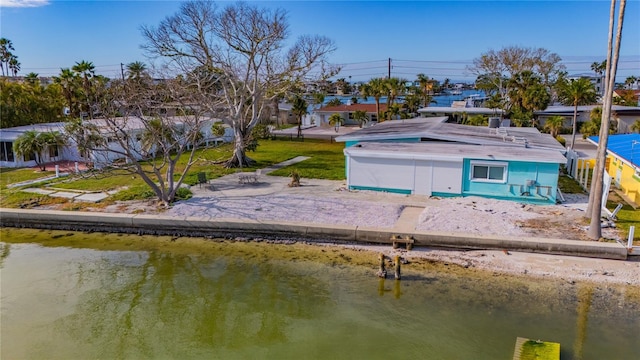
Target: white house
99, 158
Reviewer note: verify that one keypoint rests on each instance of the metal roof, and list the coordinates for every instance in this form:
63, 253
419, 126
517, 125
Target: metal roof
455, 152
625, 146
436, 129
585, 108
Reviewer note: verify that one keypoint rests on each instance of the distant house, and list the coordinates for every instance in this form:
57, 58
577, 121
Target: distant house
346, 112
429, 157
623, 115
99, 157
620, 96
623, 163
596, 80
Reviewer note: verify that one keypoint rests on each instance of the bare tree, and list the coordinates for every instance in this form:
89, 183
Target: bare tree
594, 210
496, 68
243, 49
139, 135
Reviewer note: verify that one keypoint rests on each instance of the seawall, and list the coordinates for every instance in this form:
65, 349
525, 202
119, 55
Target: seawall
226, 228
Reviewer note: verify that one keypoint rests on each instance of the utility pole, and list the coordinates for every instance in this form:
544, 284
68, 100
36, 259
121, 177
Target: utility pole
122, 70
389, 72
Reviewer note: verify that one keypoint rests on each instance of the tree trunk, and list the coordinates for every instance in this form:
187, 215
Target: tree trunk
575, 125
595, 230
239, 158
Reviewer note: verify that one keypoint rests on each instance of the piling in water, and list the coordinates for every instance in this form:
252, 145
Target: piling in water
397, 267
382, 272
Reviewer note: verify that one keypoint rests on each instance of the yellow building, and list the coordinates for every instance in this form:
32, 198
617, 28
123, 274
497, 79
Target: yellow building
623, 163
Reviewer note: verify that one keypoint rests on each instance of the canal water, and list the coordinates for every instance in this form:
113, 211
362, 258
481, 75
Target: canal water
68, 295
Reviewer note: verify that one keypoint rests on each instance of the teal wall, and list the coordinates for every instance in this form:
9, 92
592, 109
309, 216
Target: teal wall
518, 173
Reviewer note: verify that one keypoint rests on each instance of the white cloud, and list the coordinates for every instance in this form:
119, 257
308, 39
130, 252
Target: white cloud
23, 3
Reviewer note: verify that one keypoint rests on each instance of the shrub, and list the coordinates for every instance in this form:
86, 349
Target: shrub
183, 194
261, 132
561, 140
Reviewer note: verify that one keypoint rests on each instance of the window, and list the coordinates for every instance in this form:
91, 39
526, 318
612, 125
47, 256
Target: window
53, 151
489, 172
6, 151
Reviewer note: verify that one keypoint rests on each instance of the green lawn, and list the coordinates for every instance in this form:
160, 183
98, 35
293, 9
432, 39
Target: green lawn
326, 162
11, 176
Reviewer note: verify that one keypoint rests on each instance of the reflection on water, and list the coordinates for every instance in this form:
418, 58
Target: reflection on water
64, 303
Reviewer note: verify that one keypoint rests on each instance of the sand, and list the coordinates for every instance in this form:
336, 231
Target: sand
328, 202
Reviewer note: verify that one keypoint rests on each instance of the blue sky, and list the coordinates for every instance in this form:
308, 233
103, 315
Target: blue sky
438, 38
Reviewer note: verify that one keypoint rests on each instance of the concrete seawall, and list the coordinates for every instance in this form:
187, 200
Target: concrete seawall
224, 228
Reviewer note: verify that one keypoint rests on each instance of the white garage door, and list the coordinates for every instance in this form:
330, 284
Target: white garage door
382, 173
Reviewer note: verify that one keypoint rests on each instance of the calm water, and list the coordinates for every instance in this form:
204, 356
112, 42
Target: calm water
82, 303
438, 100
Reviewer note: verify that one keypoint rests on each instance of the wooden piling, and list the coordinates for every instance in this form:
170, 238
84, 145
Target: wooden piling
382, 272
397, 267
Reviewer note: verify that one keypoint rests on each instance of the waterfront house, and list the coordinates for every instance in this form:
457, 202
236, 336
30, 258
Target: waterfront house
133, 126
430, 157
623, 163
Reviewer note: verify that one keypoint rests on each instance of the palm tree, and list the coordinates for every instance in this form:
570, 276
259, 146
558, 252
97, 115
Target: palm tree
395, 87
5, 54
599, 67
576, 92
635, 127
375, 88
86, 71
554, 124
630, 81
32, 79
360, 116
33, 142
67, 80
14, 65
336, 120
426, 85
28, 144
299, 108
136, 70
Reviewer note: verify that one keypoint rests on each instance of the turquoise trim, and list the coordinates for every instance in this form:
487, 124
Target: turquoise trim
394, 191
445, 195
523, 199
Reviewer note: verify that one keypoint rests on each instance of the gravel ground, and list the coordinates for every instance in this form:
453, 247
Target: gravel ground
298, 208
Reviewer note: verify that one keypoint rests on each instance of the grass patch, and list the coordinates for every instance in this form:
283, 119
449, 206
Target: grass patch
569, 185
532, 350
10, 176
326, 162
627, 216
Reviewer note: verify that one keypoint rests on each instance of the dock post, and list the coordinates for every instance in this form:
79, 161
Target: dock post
382, 272
397, 267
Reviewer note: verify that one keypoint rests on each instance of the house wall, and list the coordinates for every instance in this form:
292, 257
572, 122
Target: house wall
625, 177
514, 187
406, 176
